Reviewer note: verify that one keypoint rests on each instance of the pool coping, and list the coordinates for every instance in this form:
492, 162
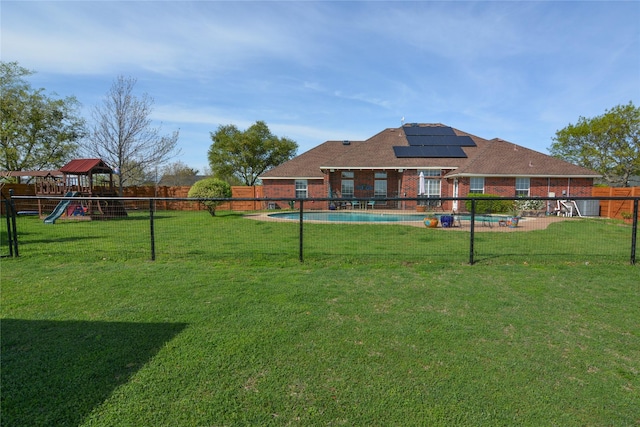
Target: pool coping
526, 224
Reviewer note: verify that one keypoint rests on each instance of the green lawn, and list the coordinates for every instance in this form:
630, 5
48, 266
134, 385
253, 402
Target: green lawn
196, 235
226, 327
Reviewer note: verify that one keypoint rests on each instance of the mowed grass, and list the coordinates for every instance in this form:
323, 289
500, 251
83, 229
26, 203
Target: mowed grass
193, 235
226, 327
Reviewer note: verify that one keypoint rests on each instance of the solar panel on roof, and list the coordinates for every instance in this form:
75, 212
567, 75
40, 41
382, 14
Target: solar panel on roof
429, 151
433, 141
428, 130
448, 151
461, 141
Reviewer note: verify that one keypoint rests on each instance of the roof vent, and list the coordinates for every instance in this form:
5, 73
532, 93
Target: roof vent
346, 142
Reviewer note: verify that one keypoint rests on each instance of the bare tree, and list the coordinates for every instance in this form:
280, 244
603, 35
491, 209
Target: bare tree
178, 173
123, 135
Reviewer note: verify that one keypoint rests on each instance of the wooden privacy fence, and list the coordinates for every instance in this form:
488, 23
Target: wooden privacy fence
608, 208
18, 190
237, 192
615, 208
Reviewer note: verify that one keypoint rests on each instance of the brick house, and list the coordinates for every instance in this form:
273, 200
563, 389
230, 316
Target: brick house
452, 162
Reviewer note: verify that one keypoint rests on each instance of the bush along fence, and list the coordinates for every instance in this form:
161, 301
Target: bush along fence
469, 230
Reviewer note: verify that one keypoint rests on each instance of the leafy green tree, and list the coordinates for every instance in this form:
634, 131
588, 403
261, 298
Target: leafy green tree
37, 132
608, 144
210, 188
246, 155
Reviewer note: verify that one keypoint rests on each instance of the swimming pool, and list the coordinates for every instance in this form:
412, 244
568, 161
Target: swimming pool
349, 216
371, 217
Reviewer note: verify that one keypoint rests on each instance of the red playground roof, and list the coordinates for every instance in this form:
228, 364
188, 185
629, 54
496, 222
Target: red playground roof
84, 166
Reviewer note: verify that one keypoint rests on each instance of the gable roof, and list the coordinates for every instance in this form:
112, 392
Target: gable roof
378, 152
84, 166
503, 158
307, 165
472, 156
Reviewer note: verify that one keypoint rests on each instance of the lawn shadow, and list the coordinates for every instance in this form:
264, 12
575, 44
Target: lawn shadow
57, 372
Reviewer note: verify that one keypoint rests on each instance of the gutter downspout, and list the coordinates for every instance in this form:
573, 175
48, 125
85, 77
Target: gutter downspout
455, 194
548, 195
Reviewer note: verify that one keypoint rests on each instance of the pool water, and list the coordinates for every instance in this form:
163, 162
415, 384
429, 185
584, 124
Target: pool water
349, 217
371, 217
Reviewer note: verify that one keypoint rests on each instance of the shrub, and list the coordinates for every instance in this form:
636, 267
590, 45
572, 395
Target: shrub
528, 205
210, 188
491, 206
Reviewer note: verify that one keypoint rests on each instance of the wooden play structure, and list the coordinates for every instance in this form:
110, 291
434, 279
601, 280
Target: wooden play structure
82, 178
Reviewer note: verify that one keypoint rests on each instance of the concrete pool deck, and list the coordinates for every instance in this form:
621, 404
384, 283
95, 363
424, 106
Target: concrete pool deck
526, 223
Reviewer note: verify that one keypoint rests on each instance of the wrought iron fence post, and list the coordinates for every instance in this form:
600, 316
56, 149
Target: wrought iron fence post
12, 230
7, 209
634, 231
152, 208
300, 253
472, 231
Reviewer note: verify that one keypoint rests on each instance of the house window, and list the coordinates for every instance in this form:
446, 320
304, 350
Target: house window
476, 185
431, 186
380, 185
522, 187
301, 188
431, 183
347, 187
380, 188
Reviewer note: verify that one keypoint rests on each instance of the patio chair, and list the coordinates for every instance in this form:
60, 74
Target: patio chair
485, 219
567, 208
355, 204
340, 204
456, 219
371, 204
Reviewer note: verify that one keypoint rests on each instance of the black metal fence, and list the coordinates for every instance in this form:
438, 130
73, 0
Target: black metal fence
8, 228
486, 230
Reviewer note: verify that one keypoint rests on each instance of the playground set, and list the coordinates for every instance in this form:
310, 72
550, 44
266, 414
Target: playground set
89, 180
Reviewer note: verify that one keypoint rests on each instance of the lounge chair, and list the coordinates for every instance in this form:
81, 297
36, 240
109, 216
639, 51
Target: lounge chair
485, 219
567, 208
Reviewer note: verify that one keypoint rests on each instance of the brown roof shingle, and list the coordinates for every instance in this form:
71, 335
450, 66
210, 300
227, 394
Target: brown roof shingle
504, 158
307, 165
488, 157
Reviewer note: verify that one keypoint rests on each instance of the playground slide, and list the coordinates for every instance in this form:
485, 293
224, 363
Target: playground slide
60, 209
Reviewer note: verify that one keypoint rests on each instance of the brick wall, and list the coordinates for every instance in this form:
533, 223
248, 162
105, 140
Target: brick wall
364, 184
286, 188
539, 187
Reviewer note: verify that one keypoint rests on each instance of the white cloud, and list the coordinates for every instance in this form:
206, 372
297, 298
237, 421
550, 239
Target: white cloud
317, 71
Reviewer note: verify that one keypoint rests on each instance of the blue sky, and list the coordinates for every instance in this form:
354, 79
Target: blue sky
334, 70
